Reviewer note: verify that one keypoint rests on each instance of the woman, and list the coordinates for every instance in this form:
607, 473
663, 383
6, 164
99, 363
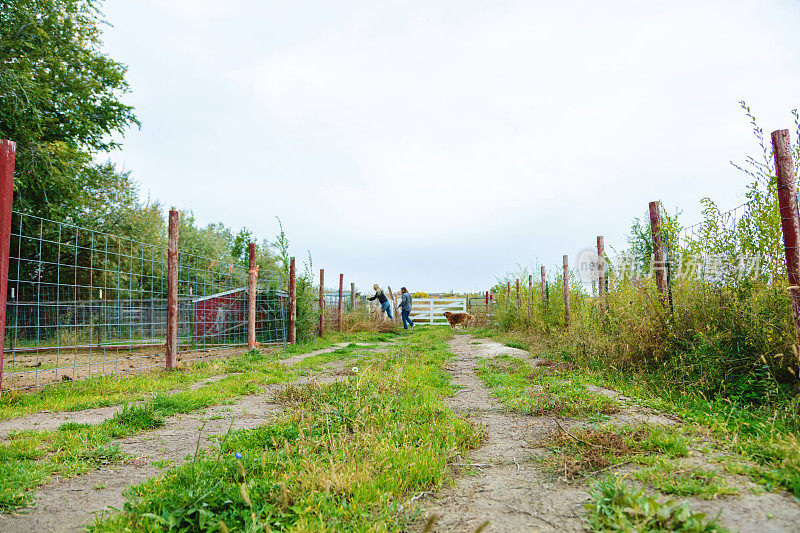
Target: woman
405, 308
383, 300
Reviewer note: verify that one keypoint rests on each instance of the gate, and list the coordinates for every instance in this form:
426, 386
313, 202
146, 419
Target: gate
431, 310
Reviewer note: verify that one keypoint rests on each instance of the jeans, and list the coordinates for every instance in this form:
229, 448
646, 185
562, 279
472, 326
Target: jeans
386, 308
406, 319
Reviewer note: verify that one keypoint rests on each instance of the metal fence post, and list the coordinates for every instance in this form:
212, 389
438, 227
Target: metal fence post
172, 290
8, 155
292, 302
487, 302
566, 291
658, 249
790, 225
252, 280
601, 267
341, 296
321, 302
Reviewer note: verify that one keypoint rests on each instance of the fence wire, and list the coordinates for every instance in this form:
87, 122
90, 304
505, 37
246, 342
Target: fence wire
82, 302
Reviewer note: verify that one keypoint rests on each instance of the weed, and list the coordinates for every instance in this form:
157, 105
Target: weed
617, 507
540, 391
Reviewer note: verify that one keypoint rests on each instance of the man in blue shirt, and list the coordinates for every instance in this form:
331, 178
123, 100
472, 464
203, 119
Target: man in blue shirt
405, 308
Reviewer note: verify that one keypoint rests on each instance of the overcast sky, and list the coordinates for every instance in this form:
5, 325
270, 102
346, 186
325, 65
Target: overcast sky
439, 145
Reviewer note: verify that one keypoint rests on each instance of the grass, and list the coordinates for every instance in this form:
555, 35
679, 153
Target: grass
763, 439
105, 391
680, 480
585, 451
541, 390
346, 455
29, 458
615, 506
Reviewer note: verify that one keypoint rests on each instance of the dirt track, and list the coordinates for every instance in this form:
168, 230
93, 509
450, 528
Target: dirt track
511, 492
65, 505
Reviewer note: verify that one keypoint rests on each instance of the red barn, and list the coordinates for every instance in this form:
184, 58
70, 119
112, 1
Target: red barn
221, 315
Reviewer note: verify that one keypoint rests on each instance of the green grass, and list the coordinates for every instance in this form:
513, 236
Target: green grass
29, 458
671, 478
615, 506
346, 455
541, 391
764, 439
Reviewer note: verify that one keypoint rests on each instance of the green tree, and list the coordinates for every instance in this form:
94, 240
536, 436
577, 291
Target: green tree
60, 102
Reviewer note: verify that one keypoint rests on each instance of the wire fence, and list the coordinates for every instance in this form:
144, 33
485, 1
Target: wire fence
82, 302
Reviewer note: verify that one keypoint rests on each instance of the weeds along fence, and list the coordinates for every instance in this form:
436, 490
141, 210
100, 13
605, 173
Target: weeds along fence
714, 306
80, 302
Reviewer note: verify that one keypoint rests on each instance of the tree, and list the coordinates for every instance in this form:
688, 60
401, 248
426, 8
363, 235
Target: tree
60, 102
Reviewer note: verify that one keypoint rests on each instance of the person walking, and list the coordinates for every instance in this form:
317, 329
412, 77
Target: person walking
405, 308
383, 300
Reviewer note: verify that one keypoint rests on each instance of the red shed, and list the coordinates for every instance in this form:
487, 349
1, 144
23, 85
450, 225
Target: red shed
220, 315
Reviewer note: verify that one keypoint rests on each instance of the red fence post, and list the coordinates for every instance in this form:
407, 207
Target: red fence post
487, 301
566, 291
252, 279
544, 289
790, 225
292, 302
8, 156
321, 302
530, 294
341, 296
172, 290
601, 267
659, 266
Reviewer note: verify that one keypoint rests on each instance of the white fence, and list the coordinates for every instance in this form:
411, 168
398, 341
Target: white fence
425, 310
431, 310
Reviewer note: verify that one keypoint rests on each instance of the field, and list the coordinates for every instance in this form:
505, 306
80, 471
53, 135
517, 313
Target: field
427, 430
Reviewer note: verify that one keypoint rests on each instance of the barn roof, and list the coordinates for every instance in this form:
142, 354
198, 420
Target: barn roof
233, 291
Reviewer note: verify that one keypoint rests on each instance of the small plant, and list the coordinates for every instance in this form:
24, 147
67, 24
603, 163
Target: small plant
617, 507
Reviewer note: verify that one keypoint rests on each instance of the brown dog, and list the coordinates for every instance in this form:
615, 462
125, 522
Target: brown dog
464, 319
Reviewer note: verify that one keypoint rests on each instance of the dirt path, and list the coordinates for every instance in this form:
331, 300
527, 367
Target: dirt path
65, 505
49, 420
508, 490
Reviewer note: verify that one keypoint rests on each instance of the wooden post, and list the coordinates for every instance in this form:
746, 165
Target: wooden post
790, 224
517, 294
566, 291
601, 267
394, 304
658, 250
252, 280
321, 302
530, 294
292, 302
352, 296
341, 301
172, 290
544, 290
508, 291
8, 157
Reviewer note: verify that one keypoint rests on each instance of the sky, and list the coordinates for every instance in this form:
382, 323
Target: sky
441, 145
